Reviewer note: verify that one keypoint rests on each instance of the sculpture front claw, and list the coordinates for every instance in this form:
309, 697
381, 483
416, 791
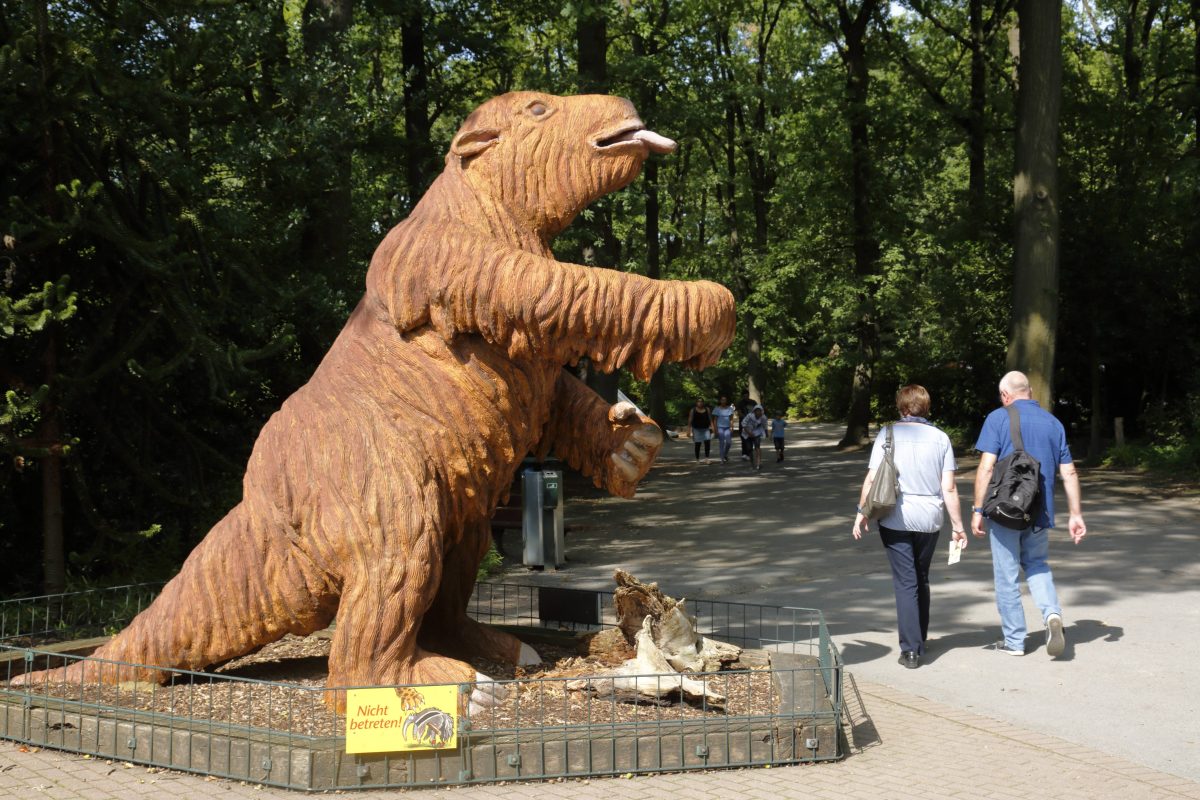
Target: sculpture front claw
636, 455
623, 411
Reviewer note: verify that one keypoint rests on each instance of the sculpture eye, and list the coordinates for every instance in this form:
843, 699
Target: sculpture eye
537, 109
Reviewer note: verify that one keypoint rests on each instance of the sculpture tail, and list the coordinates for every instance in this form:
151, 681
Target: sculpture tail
246, 584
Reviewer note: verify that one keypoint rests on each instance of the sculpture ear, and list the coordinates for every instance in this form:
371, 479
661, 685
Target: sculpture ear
471, 143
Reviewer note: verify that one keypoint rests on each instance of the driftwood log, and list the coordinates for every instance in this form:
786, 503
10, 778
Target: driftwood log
653, 648
368, 494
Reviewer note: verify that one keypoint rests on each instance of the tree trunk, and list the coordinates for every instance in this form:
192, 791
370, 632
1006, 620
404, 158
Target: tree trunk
742, 287
1196, 73
976, 122
647, 105
54, 558
419, 168
866, 244
1195, 232
761, 174
1035, 197
54, 563
591, 38
1096, 417
657, 401
325, 240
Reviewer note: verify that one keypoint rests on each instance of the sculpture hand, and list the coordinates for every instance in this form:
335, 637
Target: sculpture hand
642, 441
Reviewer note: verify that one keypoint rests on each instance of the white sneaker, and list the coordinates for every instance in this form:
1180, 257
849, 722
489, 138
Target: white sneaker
1055, 641
1002, 647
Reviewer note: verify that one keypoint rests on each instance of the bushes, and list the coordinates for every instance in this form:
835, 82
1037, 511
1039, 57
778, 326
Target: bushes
1172, 444
1181, 458
819, 389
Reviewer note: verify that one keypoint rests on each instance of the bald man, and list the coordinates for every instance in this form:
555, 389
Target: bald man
1046, 440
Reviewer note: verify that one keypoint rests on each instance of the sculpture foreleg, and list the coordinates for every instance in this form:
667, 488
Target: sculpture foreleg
531, 304
614, 445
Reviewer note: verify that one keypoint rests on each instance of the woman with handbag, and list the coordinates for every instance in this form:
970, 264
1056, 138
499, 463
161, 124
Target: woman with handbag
909, 485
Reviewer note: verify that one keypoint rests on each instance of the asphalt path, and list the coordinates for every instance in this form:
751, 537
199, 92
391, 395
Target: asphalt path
1130, 592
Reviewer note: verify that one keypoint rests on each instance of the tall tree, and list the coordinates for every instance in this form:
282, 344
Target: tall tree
325, 242
50, 442
1196, 74
849, 34
647, 47
754, 121
419, 164
975, 34
602, 246
1035, 196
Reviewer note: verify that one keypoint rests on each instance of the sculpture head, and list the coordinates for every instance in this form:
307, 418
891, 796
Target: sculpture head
546, 157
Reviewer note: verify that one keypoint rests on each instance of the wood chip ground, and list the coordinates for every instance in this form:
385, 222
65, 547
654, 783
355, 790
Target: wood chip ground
281, 688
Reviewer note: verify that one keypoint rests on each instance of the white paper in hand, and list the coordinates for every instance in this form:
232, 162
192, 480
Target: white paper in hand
955, 552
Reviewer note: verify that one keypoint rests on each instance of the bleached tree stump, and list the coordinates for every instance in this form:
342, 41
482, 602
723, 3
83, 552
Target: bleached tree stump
665, 646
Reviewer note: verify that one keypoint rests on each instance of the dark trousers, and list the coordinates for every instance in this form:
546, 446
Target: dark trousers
910, 554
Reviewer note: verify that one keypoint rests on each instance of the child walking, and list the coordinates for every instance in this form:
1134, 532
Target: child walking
777, 426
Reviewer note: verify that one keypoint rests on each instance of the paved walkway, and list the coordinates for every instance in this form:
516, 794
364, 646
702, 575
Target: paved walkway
903, 746
1114, 717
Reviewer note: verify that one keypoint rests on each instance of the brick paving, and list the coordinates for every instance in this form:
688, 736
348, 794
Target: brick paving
901, 746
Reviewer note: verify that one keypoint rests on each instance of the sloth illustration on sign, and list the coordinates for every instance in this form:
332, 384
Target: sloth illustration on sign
368, 495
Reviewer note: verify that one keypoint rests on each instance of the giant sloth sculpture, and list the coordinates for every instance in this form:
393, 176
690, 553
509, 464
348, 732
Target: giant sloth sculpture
368, 495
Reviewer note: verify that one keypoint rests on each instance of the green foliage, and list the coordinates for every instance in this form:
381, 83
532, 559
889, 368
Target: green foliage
491, 564
51, 302
818, 389
1181, 459
1170, 445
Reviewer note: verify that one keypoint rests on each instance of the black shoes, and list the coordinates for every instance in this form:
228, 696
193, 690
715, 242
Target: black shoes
910, 660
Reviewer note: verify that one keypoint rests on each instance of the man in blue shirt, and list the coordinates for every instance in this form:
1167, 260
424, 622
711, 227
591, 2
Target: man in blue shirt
1046, 440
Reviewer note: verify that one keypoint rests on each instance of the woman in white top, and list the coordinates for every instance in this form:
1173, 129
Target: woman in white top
723, 416
925, 462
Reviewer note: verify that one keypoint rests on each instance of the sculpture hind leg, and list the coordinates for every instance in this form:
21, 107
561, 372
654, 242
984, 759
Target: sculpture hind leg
245, 585
447, 627
387, 596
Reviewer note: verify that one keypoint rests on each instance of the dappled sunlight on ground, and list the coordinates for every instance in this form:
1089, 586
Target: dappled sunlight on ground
1130, 592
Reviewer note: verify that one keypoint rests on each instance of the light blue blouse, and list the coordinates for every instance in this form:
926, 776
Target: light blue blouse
921, 453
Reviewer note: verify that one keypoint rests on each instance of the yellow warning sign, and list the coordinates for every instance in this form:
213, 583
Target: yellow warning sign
391, 720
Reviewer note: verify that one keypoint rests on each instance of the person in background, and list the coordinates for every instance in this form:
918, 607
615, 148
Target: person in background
777, 426
925, 460
1013, 551
700, 421
744, 407
754, 428
723, 415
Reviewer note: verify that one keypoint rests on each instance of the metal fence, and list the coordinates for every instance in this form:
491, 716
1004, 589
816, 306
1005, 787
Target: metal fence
782, 705
63, 617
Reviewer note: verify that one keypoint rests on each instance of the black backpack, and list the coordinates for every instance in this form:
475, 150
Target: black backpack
1014, 495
